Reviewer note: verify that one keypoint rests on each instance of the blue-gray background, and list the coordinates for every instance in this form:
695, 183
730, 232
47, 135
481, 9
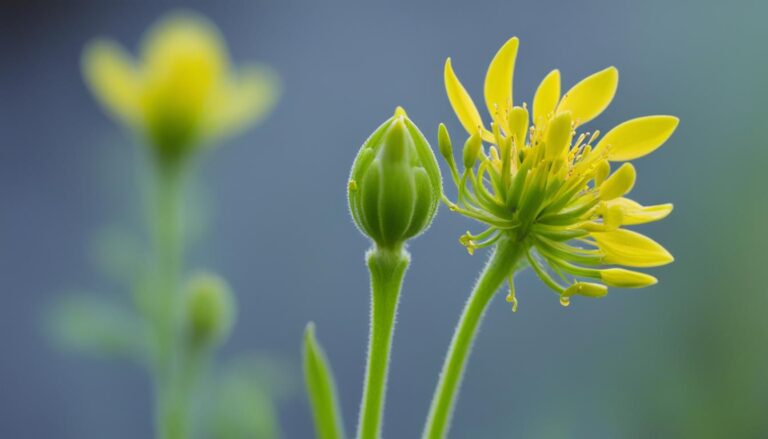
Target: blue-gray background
685, 358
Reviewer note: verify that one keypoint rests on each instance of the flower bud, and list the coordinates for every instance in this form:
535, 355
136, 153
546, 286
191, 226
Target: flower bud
395, 184
209, 310
444, 142
471, 150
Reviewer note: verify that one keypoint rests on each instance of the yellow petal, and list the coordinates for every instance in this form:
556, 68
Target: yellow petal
518, 124
619, 277
625, 247
587, 99
244, 100
184, 37
113, 78
558, 135
602, 171
185, 61
637, 137
462, 104
619, 183
546, 97
635, 213
498, 81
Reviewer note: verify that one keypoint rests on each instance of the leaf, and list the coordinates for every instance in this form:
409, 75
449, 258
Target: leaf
321, 389
83, 322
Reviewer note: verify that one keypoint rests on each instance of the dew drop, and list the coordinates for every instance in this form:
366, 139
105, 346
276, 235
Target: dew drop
565, 301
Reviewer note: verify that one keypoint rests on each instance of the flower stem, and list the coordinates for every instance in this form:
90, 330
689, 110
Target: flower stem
168, 248
503, 260
387, 267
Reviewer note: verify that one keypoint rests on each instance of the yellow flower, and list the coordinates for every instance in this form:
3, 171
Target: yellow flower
543, 183
182, 91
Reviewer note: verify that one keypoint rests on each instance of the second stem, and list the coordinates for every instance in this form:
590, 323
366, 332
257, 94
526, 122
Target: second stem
387, 267
501, 265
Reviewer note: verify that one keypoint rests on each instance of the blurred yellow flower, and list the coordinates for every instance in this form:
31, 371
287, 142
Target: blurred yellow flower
542, 183
182, 91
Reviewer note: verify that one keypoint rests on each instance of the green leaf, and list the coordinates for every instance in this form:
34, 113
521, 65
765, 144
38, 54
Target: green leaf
84, 322
321, 389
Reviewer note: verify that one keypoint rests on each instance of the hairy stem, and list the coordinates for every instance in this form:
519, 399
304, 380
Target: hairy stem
501, 264
387, 267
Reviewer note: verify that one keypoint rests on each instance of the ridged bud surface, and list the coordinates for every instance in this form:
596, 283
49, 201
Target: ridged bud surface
395, 184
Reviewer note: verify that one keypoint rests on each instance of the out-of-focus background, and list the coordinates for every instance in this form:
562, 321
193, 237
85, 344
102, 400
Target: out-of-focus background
684, 359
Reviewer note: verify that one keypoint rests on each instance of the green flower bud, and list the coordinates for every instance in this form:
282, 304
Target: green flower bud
395, 185
209, 310
471, 150
444, 142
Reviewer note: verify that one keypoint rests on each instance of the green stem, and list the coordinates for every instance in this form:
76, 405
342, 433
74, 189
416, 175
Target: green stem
387, 267
168, 247
503, 261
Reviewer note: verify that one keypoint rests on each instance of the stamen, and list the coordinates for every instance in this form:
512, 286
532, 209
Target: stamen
546, 278
594, 137
511, 295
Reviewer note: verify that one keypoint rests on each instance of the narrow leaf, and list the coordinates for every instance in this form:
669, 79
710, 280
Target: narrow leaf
321, 389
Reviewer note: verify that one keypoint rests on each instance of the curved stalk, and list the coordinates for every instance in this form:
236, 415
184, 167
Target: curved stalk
387, 267
501, 264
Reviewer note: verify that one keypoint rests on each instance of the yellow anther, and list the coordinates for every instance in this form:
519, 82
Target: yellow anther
511, 295
466, 241
513, 300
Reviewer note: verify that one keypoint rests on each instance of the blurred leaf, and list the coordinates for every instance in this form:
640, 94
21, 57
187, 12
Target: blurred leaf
246, 396
97, 326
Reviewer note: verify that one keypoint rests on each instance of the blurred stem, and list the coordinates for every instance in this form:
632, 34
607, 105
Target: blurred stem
502, 262
387, 267
168, 247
